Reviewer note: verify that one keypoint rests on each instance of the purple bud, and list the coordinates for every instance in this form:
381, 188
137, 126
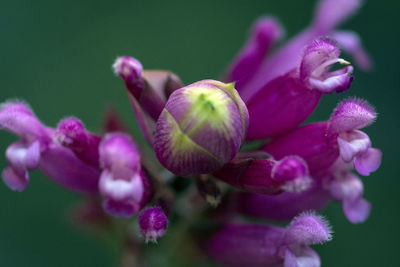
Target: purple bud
293, 172
257, 174
131, 71
122, 182
153, 223
71, 133
201, 127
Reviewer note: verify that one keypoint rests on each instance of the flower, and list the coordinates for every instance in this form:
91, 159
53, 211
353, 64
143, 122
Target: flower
123, 183
38, 148
263, 245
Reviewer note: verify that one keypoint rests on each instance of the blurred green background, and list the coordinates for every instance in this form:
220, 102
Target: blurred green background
57, 56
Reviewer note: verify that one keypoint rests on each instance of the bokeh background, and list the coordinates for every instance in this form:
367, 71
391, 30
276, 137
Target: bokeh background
57, 56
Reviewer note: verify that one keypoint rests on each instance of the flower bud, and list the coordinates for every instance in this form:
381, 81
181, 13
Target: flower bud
201, 128
153, 222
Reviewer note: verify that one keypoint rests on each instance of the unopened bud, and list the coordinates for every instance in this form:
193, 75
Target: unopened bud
201, 128
153, 222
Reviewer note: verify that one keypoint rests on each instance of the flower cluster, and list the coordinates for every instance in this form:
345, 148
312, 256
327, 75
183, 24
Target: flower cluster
198, 131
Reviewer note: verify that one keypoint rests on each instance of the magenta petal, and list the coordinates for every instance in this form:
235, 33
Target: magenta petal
330, 13
368, 162
15, 181
356, 211
301, 256
19, 119
352, 144
310, 142
308, 229
246, 245
264, 33
22, 158
63, 167
352, 114
280, 106
284, 206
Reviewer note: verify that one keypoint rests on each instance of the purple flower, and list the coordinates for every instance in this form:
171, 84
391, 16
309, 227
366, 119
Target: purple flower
122, 183
153, 223
201, 128
38, 147
331, 149
286, 101
329, 14
263, 245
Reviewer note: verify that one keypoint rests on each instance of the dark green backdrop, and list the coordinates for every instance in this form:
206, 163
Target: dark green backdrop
57, 55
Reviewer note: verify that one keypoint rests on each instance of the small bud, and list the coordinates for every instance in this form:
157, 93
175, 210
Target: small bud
153, 222
72, 133
201, 128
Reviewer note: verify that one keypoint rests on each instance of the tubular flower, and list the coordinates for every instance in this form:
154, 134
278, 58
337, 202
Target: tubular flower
331, 149
201, 128
328, 15
37, 148
263, 245
122, 183
288, 100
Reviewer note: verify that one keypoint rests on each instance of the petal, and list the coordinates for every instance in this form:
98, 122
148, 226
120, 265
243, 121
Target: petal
264, 33
308, 229
368, 162
356, 211
311, 142
301, 256
15, 181
19, 119
284, 206
280, 106
352, 114
352, 144
120, 150
246, 245
22, 158
119, 189
330, 13
63, 167
346, 186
